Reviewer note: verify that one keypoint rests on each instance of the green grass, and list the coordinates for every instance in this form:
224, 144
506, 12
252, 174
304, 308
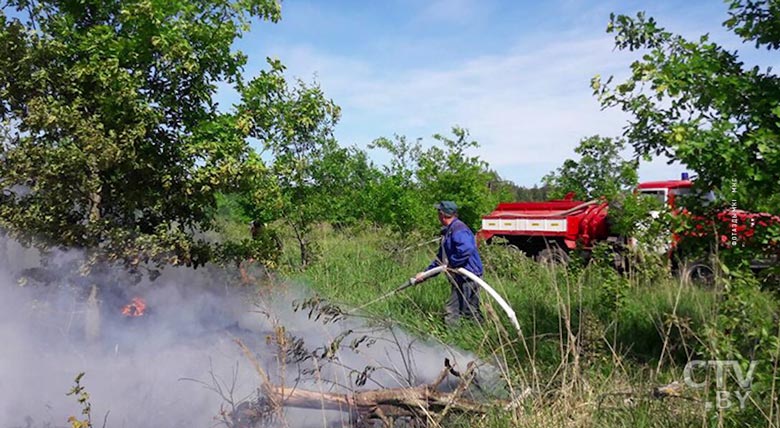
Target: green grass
593, 343
358, 268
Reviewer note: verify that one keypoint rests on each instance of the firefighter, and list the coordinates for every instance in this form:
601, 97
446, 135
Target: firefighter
458, 249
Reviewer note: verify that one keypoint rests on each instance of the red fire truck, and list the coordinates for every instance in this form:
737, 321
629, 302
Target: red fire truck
550, 230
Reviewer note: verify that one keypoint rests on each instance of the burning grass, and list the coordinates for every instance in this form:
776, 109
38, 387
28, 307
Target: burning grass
136, 308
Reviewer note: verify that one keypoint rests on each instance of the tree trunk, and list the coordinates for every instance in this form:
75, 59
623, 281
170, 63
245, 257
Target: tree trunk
301, 235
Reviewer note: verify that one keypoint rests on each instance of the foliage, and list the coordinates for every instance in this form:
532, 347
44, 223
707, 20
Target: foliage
745, 329
112, 142
263, 247
735, 237
295, 124
111, 138
600, 171
612, 285
82, 396
416, 178
501, 257
398, 201
531, 194
697, 103
630, 215
746, 321
446, 172
755, 20
345, 179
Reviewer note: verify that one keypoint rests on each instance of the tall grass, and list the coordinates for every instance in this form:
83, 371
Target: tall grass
593, 343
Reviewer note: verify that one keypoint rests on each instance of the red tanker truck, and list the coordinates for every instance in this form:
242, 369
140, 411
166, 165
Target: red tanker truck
550, 230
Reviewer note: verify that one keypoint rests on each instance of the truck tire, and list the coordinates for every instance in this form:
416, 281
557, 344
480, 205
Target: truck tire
698, 273
553, 256
514, 249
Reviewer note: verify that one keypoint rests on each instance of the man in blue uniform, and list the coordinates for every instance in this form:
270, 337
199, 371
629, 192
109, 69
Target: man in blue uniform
458, 249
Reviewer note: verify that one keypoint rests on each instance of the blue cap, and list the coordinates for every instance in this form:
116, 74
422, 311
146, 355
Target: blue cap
446, 207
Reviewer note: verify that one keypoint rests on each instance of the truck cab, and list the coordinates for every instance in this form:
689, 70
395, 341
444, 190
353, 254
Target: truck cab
671, 192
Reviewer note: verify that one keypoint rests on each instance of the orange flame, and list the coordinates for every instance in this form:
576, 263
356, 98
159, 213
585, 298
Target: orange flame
135, 308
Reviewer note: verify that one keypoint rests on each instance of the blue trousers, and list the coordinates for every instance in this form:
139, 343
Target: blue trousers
463, 302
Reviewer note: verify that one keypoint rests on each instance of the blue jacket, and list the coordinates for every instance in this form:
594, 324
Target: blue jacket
460, 246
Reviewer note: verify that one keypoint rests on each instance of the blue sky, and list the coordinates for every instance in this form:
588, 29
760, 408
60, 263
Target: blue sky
515, 73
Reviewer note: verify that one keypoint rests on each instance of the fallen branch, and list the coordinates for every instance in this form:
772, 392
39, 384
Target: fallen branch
386, 405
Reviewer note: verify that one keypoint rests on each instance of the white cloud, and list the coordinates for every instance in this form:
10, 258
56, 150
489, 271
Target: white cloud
455, 11
524, 94
530, 105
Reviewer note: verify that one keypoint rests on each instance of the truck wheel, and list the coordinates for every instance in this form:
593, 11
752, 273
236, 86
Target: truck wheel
553, 256
514, 249
699, 273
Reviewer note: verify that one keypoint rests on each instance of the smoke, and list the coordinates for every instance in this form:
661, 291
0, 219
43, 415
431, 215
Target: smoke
178, 364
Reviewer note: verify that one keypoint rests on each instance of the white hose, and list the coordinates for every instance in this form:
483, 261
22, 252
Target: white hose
412, 282
494, 294
428, 273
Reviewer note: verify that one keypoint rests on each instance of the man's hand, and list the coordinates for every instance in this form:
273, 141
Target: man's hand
418, 277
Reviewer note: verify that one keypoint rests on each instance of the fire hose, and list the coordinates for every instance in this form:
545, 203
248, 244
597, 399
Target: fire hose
439, 269
564, 213
494, 294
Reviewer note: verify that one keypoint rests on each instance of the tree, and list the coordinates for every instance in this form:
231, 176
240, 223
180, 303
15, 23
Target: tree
397, 199
447, 172
756, 20
698, 103
111, 139
416, 178
532, 194
296, 125
600, 171
344, 178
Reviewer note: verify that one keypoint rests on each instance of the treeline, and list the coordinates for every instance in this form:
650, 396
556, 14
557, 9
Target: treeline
342, 186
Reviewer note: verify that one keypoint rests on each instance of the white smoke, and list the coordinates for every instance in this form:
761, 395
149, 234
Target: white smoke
161, 369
